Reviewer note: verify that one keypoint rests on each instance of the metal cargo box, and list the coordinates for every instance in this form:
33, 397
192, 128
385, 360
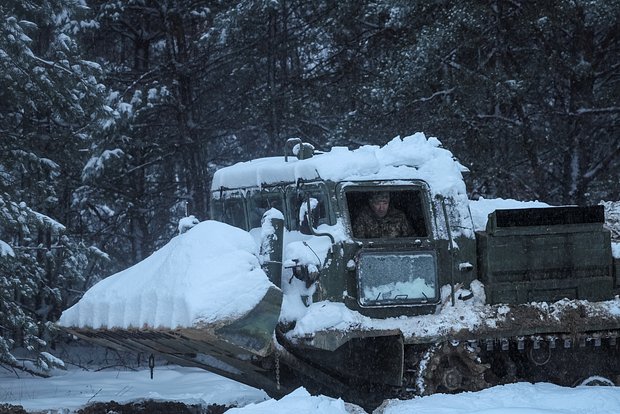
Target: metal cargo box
546, 254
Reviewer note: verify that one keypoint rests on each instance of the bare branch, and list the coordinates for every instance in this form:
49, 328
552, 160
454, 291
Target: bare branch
602, 164
25, 369
588, 111
438, 93
501, 118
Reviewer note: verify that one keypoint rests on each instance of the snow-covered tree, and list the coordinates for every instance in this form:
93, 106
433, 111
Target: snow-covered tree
525, 92
50, 101
147, 164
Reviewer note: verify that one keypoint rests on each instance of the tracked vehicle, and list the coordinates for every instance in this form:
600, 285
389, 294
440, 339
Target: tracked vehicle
530, 295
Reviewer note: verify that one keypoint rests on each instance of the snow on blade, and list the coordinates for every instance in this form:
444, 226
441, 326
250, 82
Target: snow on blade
209, 273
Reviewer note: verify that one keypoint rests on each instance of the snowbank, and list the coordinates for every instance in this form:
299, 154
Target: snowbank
209, 273
520, 398
77, 388
299, 402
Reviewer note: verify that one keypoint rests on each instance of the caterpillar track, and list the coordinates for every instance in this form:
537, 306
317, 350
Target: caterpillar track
563, 359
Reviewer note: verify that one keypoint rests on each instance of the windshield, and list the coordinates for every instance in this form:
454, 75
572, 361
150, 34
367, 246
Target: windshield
397, 278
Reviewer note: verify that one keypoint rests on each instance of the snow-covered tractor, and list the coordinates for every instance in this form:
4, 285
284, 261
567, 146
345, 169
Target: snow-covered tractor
469, 296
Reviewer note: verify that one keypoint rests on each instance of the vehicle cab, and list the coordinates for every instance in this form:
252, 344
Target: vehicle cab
328, 255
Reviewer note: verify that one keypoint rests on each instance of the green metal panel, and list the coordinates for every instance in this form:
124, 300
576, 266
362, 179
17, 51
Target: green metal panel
254, 332
548, 261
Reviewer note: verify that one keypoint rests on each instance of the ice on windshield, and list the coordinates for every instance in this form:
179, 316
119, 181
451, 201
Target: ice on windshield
396, 278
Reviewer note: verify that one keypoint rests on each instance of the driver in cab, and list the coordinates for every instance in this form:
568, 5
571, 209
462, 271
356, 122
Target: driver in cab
378, 219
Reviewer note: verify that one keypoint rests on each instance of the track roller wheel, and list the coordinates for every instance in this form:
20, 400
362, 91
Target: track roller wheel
451, 368
596, 381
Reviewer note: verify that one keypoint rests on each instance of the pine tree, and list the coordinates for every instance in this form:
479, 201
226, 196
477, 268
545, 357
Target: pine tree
50, 101
525, 92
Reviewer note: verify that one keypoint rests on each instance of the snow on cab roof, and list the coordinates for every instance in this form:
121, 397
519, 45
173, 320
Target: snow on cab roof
412, 157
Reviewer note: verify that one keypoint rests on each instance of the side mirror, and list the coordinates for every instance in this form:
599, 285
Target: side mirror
307, 215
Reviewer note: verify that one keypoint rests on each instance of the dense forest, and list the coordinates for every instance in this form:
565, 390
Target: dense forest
114, 114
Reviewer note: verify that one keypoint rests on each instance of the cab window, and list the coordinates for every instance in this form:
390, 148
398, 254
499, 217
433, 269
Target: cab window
259, 202
229, 211
319, 206
385, 213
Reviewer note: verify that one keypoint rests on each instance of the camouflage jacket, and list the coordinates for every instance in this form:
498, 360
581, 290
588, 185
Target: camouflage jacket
368, 226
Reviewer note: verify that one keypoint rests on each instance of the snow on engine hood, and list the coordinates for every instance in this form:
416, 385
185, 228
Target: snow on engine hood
413, 157
209, 273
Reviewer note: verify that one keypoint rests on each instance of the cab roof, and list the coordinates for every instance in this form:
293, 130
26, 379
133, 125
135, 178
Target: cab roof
412, 157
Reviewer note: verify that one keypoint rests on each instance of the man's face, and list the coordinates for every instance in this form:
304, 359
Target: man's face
380, 206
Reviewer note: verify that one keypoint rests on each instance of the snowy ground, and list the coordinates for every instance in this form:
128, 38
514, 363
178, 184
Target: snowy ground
75, 388
68, 391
